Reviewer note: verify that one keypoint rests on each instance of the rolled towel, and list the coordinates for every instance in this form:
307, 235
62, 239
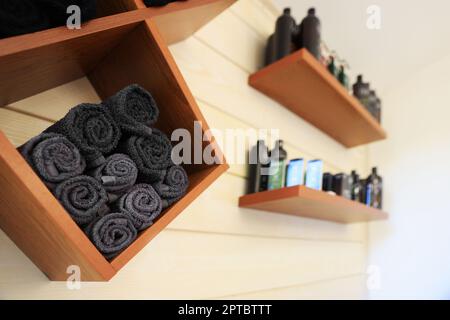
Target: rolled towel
83, 197
57, 10
112, 234
20, 17
134, 110
53, 157
92, 130
118, 174
173, 187
142, 204
151, 153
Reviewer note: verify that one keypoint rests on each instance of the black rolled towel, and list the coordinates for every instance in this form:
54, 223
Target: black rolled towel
142, 204
83, 197
151, 153
134, 109
92, 130
173, 187
118, 174
57, 10
112, 234
20, 17
53, 157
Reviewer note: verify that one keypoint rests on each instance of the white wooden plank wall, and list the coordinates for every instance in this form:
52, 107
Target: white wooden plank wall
214, 249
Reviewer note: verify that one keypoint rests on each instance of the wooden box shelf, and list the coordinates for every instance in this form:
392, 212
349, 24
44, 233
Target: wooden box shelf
305, 202
301, 84
112, 52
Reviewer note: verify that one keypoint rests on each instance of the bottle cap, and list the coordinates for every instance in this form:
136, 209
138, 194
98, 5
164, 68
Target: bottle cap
312, 11
287, 11
359, 78
374, 170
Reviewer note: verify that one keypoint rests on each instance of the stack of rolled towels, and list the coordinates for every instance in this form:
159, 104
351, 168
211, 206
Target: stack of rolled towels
26, 16
109, 167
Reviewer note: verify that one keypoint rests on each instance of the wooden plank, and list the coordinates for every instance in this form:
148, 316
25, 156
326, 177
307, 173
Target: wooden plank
54, 104
19, 128
190, 265
230, 36
306, 202
346, 288
258, 14
40, 226
224, 216
301, 84
222, 84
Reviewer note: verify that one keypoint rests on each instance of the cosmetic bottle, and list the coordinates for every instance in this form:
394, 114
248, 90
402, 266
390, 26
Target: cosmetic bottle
374, 190
327, 182
314, 174
342, 184
258, 157
270, 51
378, 110
284, 30
358, 87
372, 103
332, 67
294, 173
310, 34
343, 78
357, 188
277, 172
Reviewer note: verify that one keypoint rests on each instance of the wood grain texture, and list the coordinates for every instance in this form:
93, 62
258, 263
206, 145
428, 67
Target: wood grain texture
306, 202
176, 21
40, 226
188, 265
304, 86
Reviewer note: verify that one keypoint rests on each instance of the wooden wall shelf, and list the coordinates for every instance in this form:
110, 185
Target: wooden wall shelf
305, 202
112, 52
301, 84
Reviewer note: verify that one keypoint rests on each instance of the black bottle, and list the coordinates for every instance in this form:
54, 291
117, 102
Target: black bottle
258, 158
342, 185
374, 190
358, 88
357, 188
270, 51
327, 182
310, 33
372, 103
284, 31
378, 110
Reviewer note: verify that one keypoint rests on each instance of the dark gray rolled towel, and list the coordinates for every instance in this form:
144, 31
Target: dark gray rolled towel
57, 10
173, 187
111, 234
118, 174
83, 197
20, 17
134, 110
151, 153
92, 130
53, 157
142, 204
